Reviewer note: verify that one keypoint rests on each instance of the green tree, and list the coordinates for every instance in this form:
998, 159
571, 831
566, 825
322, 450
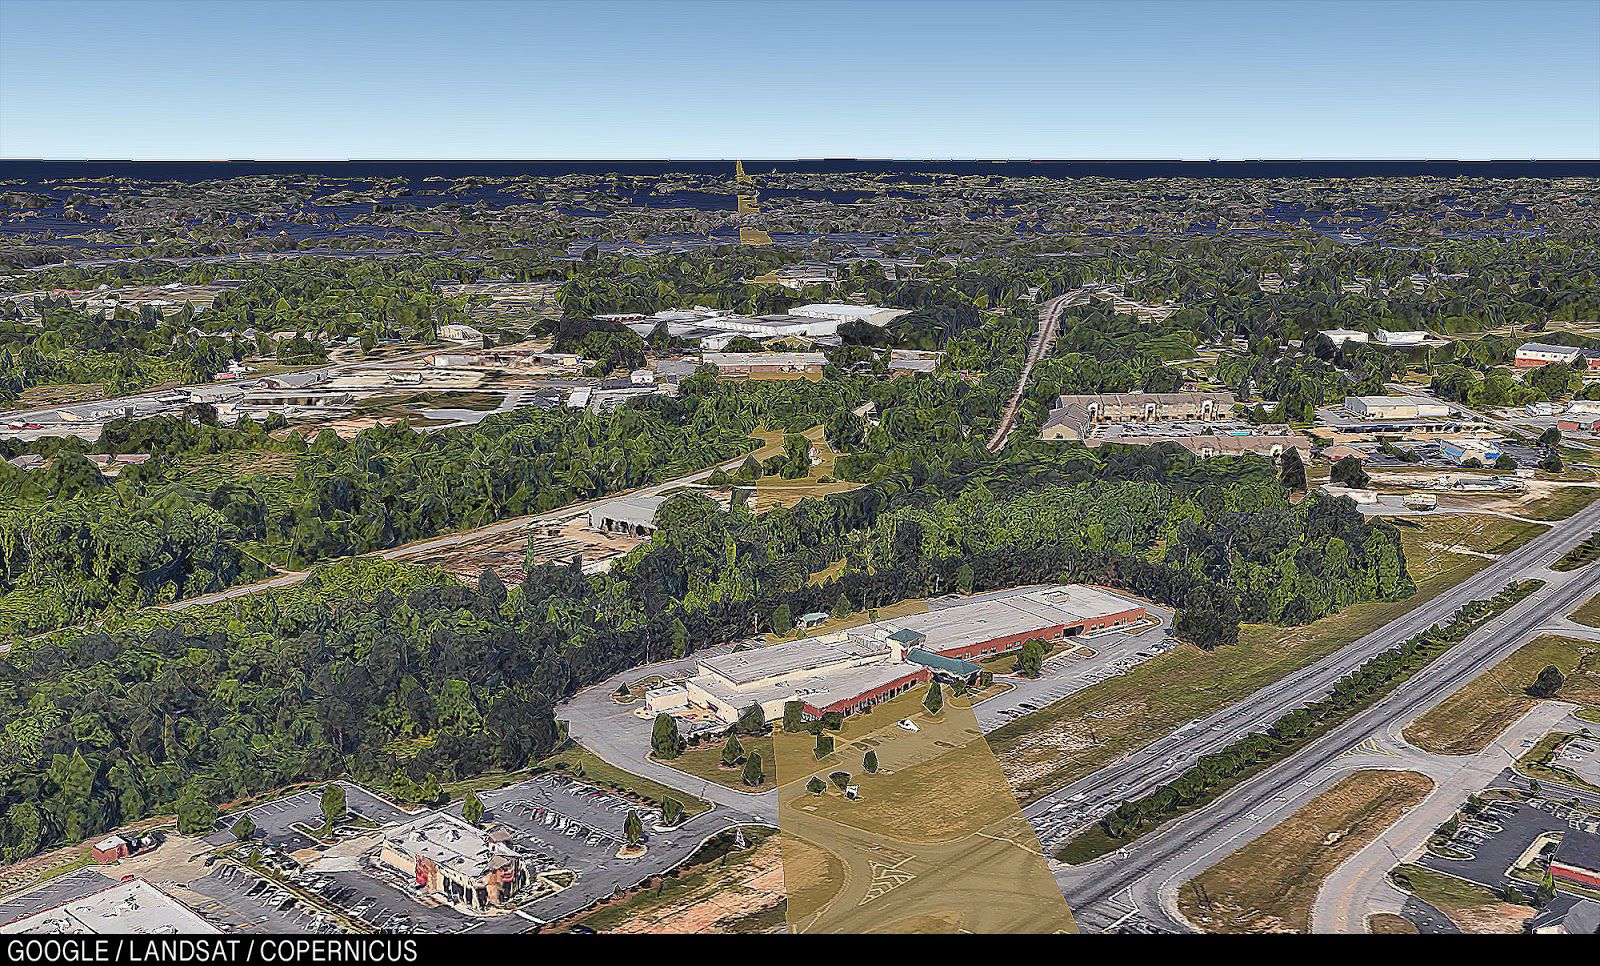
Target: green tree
840, 779
196, 814
333, 804
841, 608
1552, 461
816, 786
1548, 683
752, 775
1030, 662
633, 828
1292, 470
793, 716
671, 811
824, 744
1546, 892
782, 620
753, 720
243, 828
1349, 472
665, 742
934, 702
965, 578
679, 636
732, 750
869, 762
472, 808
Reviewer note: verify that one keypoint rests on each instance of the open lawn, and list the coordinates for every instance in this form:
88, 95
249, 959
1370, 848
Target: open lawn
1071, 738
1589, 613
705, 761
1465, 722
1561, 504
1270, 884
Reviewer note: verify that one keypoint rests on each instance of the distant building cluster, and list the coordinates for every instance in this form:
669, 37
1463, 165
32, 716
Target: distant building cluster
1201, 422
713, 329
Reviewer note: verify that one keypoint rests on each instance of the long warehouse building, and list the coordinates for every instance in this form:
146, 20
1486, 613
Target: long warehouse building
852, 669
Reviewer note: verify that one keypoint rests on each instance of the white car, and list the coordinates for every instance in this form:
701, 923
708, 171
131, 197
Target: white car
906, 724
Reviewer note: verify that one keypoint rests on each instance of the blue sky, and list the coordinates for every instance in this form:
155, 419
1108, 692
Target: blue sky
265, 80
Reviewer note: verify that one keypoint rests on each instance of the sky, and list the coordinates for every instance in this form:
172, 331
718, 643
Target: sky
919, 79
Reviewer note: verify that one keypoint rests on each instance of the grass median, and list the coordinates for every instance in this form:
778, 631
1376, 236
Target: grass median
1086, 731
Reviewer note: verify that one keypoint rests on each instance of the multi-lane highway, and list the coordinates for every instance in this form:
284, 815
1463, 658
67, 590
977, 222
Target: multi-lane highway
1171, 754
1144, 879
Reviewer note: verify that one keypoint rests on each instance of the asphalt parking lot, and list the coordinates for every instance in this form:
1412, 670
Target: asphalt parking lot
1497, 837
383, 903
238, 900
73, 885
275, 820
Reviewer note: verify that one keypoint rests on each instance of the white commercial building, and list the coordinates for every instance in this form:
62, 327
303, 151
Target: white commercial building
134, 906
1395, 407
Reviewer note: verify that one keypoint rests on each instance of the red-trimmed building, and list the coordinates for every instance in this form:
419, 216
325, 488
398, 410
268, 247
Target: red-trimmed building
1577, 861
110, 849
849, 698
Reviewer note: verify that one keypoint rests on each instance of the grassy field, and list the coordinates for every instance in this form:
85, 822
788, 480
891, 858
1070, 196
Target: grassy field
1085, 731
1589, 613
1271, 884
1465, 722
1561, 504
705, 761
1388, 924
776, 491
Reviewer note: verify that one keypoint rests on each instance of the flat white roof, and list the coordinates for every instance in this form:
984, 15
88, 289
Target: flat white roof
759, 663
134, 906
991, 617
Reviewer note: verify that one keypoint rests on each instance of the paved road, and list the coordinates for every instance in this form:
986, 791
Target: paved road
434, 544
1148, 876
1360, 886
1166, 757
1043, 341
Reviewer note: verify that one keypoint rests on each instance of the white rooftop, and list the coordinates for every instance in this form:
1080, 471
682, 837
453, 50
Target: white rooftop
134, 906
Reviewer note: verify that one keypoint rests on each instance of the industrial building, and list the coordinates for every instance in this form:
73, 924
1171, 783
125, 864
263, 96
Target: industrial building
1464, 451
635, 515
852, 669
1532, 355
736, 365
133, 906
449, 857
1395, 407
712, 329
1076, 417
